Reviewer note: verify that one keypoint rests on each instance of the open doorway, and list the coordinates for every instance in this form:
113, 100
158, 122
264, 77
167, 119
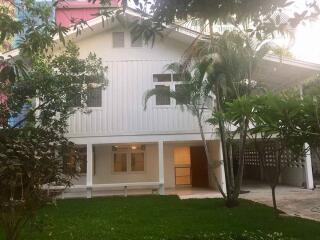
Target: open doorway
191, 168
182, 166
199, 167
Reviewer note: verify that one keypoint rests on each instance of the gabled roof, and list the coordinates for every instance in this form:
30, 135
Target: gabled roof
98, 24
276, 73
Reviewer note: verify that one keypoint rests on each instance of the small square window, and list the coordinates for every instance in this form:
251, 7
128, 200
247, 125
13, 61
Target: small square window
118, 39
182, 94
161, 99
137, 162
94, 97
136, 40
120, 162
162, 77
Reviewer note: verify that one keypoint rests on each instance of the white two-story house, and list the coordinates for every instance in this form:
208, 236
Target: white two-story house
124, 146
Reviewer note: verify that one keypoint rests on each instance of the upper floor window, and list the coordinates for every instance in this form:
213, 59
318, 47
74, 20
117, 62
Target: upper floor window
118, 39
170, 82
94, 98
76, 100
162, 99
180, 90
136, 40
162, 77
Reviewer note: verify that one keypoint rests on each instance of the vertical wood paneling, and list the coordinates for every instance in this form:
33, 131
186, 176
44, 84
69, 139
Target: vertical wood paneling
122, 106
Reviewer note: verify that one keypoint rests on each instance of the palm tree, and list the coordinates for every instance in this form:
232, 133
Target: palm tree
234, 57
195, 97
221, 68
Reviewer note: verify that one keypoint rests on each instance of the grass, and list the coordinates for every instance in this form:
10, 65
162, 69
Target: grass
153, 217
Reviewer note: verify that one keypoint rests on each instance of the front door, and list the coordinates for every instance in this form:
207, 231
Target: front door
199, 167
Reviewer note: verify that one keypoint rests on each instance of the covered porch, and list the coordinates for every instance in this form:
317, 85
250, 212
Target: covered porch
163, 167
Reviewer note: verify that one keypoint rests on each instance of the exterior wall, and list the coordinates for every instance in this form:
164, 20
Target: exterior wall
293, 176
103, 169
103, 165
130, 74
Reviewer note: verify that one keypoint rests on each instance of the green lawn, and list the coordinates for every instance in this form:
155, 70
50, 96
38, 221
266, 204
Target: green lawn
153, 217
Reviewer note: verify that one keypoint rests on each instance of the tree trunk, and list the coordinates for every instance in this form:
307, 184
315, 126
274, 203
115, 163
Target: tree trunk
231, 164
276, 180
223, 144
274, 201
243, 138
208, 157
232, 202
12, 230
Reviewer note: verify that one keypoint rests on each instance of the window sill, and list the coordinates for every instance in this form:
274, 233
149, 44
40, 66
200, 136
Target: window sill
128, 172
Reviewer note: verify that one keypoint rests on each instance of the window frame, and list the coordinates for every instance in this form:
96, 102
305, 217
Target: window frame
113, 160
94, 107
128, 153
172, 86
113, 39
101, 99
180, 83
144, 161
167, 84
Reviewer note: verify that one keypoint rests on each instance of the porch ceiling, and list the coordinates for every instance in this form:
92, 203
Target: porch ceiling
277, 75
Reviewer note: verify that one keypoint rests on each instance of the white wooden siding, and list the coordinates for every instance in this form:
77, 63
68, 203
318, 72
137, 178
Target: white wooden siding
122, 111
130, 73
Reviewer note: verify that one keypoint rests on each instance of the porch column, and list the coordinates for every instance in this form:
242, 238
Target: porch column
89, 170
161, 168
308, 167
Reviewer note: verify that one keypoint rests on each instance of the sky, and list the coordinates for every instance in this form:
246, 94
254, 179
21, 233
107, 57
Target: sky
307, 43
307, 38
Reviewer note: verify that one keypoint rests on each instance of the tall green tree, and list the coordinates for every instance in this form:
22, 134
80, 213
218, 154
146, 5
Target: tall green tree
282, 122
34, 151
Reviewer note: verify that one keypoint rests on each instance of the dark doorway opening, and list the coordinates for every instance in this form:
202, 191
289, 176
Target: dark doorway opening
199, 167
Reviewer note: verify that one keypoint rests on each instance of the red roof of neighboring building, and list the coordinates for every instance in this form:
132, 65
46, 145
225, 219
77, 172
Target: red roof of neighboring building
68, 12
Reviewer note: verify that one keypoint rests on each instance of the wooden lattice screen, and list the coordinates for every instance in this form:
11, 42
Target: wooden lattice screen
251, 156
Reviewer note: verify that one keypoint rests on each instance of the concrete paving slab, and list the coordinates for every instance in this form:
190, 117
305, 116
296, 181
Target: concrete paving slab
291, 200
